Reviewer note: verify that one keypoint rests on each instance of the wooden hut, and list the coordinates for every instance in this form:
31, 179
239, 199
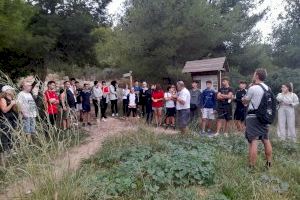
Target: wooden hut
207, 69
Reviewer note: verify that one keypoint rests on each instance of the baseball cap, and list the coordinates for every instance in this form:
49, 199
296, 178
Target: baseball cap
6, 88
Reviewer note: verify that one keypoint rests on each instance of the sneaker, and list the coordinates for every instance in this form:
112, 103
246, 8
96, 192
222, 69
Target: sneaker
89, 124
268, 165
214, 135
113, 115
103, 119
226, 134
202, 133
117, 115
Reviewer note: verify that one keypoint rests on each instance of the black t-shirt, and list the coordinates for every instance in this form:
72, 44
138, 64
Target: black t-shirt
226, 91
78, 96
238, 98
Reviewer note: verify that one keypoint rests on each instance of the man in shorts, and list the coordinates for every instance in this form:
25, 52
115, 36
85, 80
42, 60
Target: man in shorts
255, 130
224, 96
183, 107
208, 99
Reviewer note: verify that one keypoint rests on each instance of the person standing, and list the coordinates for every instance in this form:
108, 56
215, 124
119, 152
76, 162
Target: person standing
96, 97
125, 93
149, 110
28, 109
170, 106
8, 117
78, 90
286, 113
113, 96
142, 98
240, 110
255, 129
104, 100
183, 107
65, 109
85, 96
208, 99
51, 102
132, 99
195, 100
224, 96
157, 104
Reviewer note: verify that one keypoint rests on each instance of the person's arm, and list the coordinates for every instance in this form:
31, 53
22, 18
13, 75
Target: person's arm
220, 96
295, 100
182, 99
62, 98
166, 97
4, 107
228, 96
279, 98
247, 98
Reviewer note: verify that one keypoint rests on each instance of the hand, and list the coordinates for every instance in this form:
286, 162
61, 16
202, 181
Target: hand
65, 109
52, 101
13, 102
155, 101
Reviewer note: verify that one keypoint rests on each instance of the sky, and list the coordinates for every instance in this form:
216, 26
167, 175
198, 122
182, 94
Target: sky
265, 26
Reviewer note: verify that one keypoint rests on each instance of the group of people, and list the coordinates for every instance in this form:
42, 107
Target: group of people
175, 107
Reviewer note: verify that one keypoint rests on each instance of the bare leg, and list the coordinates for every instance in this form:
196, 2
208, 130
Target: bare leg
219, 125
268, 150
252, 153
159, 115
173, 121
204, 124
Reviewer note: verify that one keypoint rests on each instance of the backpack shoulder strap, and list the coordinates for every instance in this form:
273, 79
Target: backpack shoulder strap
264, 87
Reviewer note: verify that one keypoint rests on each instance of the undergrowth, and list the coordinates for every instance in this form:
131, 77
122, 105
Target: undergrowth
146, 165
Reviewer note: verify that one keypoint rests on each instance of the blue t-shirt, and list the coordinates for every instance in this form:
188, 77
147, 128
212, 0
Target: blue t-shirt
208, 98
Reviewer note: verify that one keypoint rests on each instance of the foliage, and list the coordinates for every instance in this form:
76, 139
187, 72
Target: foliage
150, 170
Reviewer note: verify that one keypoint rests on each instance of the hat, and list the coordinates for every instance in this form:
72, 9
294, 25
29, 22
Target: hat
7, 87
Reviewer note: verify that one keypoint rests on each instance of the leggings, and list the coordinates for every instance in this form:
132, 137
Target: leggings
114, 106
103, 108
125, 107
133, 110
96, 105
149, 113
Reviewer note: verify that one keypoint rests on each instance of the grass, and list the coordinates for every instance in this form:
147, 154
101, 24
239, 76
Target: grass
139, 165
34, 160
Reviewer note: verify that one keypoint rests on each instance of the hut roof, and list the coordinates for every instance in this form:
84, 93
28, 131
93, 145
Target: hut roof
205, 65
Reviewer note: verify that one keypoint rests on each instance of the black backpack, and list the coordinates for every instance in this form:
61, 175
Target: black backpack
266, 111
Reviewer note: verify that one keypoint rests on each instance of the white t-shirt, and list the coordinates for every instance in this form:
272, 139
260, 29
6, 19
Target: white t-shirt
185, 95
125, 93
27, 104
169, 103
254, 95
132, 98
113, 95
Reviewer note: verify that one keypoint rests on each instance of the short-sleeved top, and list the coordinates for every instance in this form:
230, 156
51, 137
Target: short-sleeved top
185, 95
158, 94
226, 91
238, 98
51, 108
27, 104
169, 103
254, 95
85, 95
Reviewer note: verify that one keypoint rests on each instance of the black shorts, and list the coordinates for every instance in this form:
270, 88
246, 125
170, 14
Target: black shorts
225, 112
240, 114
255, 130
171, 112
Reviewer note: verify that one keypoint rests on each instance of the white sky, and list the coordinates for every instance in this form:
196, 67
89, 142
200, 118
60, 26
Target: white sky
265, 26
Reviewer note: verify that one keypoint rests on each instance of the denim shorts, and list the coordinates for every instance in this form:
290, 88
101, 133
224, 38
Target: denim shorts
183, 117
29, 125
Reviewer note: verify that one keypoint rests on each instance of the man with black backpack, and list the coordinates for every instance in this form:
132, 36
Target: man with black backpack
261, 113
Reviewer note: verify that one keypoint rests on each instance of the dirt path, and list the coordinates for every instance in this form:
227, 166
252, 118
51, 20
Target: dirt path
70, 160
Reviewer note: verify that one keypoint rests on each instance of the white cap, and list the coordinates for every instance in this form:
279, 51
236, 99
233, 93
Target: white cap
6, 88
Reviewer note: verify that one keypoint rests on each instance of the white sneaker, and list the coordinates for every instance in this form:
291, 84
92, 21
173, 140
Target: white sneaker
113, 115
216, 134
226, 134
104, 120
117, 115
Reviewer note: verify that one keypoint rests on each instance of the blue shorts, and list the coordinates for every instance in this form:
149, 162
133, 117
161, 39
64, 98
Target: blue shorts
29, 125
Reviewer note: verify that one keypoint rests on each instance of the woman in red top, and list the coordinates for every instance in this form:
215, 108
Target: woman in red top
157, 104
51, 102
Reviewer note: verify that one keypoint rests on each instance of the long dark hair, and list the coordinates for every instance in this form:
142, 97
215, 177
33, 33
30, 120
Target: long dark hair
289, 87
114, 83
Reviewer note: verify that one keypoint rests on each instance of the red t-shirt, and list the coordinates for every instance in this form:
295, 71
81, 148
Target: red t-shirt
52, 108
158, 95
105, 89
